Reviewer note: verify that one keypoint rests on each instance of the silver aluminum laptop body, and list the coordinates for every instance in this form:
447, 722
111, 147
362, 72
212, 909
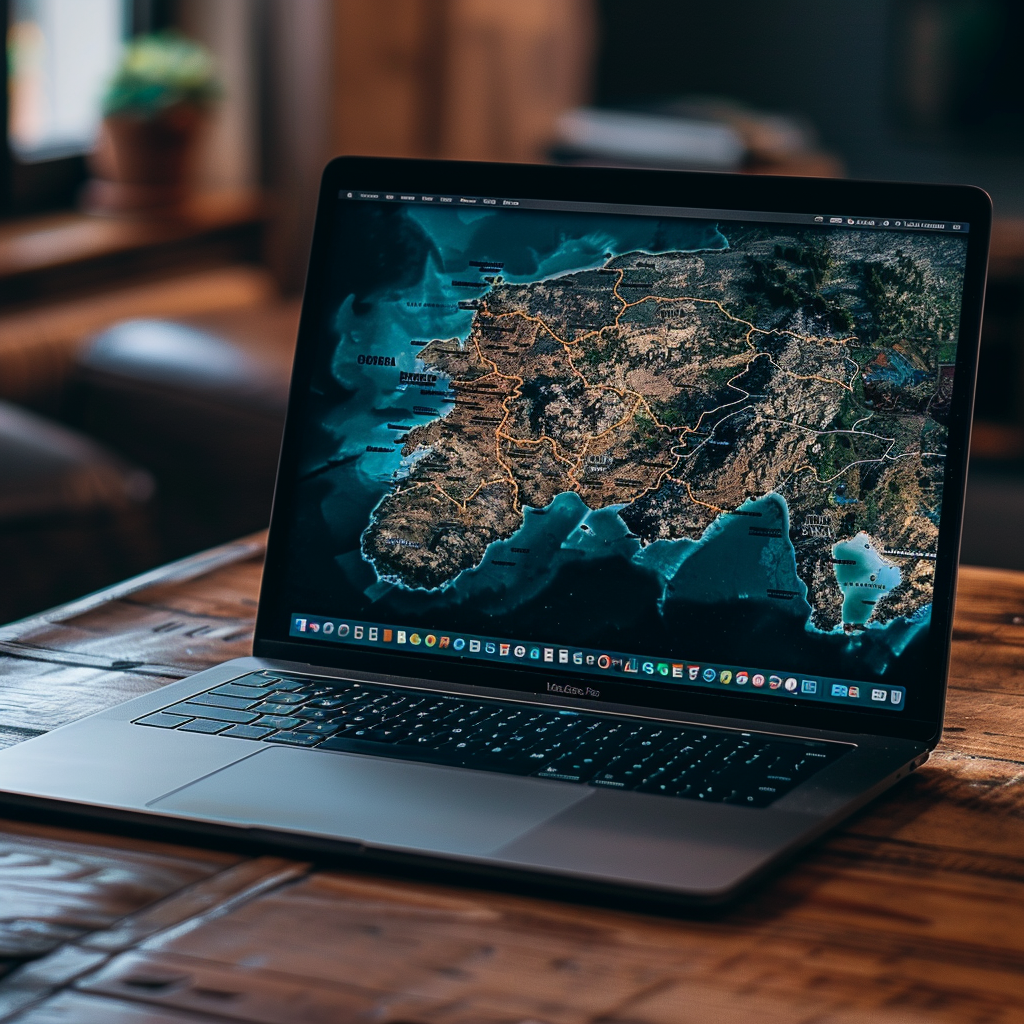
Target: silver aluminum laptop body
547, 829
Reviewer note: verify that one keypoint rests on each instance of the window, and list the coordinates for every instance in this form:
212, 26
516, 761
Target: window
61, 54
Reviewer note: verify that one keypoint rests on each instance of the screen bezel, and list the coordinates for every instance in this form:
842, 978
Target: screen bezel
922, 718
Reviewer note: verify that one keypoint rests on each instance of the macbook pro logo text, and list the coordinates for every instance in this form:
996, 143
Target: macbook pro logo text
573, 691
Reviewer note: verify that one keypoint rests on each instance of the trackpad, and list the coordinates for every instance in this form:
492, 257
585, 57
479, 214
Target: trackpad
374, 800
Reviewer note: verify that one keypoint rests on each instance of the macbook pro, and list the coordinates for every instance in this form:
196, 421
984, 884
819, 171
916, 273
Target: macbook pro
615, 535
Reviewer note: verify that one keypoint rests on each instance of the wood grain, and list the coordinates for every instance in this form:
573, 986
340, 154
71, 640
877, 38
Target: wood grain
912, 911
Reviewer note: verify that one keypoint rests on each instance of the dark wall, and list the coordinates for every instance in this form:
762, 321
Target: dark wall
832, 61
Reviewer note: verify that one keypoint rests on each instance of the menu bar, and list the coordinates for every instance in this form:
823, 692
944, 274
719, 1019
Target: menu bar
597, 663
833, 220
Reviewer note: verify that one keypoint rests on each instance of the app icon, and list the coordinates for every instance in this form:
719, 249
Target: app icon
647, 668
489, 648
693, 671
443, 642
474, 646
839, 690
590, 659
662, 669
677, 671
343, 629
458, 643
357, 632
809, 686
725, 676
854, 691
709, 675
430, 639
791, 684
878, 694
399, 638
328, 628
604, 662
742, 678
534, 653
389, 635
414, 638
503, 649
563, 657
774, 682
373, 632
519, 651
549, 654
577, 657
895, 696
314, 627
758, 679
630, 666
300, 625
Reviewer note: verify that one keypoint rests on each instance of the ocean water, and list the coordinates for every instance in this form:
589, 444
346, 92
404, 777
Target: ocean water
864, 582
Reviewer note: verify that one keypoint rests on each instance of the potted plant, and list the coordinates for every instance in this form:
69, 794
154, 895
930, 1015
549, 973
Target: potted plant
154, 112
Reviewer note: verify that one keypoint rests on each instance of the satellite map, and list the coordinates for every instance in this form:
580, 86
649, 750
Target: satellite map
569, 425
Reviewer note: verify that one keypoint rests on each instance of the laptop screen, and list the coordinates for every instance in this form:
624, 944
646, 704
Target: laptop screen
686, 448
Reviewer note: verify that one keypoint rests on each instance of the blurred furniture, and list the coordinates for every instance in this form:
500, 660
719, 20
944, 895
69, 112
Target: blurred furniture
909, 912
201, 405
73, 516
462, 79
63, 278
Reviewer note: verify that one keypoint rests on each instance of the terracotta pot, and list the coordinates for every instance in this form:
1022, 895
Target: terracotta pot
144, 164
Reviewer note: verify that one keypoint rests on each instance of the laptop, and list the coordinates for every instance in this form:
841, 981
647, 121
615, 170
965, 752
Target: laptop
615, 535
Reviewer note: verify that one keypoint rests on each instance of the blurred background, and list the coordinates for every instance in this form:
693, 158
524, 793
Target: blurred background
160, 170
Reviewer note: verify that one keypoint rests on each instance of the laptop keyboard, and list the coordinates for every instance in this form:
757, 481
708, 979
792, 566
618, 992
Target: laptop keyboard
665, 759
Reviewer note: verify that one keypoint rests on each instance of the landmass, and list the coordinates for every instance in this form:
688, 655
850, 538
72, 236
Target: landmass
677, 386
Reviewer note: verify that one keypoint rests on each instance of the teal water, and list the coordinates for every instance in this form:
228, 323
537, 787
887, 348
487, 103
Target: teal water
866, 581
738, 557
727, 563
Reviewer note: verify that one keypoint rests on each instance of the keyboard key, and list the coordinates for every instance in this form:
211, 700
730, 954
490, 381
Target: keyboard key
203, 725
162, 720
296, 739
319, 728
286, 698
215, 714
285, 685
247, 732
317, 715
234, 690
273, 708
279, 721
217, 700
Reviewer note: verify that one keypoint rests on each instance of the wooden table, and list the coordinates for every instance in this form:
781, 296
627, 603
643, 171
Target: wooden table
913, 912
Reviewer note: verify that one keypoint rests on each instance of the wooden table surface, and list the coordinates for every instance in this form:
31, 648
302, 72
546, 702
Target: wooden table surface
912, 912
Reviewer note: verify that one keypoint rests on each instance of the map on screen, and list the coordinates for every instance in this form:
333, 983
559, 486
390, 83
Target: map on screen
692, 428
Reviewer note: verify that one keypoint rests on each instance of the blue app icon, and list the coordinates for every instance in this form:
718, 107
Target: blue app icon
710, 675
809, 686
458, 643
839, 690
489, 647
